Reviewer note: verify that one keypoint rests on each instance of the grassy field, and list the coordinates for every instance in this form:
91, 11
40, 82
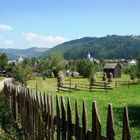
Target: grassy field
118, 97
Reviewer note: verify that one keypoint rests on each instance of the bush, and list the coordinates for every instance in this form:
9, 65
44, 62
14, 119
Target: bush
8, 127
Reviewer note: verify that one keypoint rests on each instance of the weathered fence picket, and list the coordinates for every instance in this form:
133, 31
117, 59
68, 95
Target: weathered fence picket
63, 117
96, 125
77, 122
110, 124
58, 121
52, 117
84, 122
39, 118
126, 127
69, 120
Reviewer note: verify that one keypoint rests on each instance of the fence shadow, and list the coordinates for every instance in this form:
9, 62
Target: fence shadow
134, 114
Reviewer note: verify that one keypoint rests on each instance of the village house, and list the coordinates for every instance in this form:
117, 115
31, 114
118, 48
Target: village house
114, 68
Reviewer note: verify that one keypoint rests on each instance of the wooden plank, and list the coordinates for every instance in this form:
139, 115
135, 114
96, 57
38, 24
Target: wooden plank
69, 120
77, 121
48, 117
33, 115
84, 121
57, 118
96, 125
63, 118
41, 109
36, 118
28, 114
45, 115
126, 135
110, 124
100, 85
63, 89
101, 88
52, 117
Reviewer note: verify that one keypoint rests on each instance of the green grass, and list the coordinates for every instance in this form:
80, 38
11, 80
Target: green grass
118, 97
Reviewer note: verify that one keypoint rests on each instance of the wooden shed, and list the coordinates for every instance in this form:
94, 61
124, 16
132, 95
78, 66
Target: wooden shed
114, 68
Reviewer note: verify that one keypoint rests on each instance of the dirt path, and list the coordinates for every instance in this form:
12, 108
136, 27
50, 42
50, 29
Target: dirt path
2, 82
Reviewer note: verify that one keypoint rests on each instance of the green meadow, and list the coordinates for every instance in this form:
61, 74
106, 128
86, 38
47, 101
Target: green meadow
119, 97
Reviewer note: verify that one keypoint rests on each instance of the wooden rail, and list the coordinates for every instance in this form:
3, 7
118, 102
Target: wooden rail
122, 83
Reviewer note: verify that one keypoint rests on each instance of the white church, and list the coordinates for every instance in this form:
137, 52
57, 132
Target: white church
89, 57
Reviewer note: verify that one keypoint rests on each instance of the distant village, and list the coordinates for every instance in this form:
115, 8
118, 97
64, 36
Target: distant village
16, 61
122, 62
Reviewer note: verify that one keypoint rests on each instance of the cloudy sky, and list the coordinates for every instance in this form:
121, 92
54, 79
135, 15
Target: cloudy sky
46, 23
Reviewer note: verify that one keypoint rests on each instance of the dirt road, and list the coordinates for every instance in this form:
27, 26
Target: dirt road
2, 82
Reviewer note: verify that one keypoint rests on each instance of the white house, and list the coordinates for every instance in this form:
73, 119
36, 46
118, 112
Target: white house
132, 62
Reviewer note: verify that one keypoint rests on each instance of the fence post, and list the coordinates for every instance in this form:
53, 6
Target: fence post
33, 115
105, 86
84, 121
126, 128
58, 88
90, 87
45, 115
63, 118
48, 116
96, 125
52, 117
69, 119
36, 87
128, 84
75, 87
41, 116
57, 118
110, 124
77, 121
116, 84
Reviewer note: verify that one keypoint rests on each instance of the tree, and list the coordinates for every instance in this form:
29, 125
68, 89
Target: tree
22, 74
134, 70
73, 65
138, 68
3, 61
56, 62
86, 68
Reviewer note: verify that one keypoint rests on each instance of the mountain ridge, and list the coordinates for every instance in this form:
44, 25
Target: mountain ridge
14, 53
108, 47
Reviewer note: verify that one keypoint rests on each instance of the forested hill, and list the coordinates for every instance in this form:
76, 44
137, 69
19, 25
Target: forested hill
109, 47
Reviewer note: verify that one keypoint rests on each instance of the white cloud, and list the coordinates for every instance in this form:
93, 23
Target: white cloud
9, 43
5, 27
43, 41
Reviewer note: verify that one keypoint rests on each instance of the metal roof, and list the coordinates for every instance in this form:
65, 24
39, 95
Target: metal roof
110, 65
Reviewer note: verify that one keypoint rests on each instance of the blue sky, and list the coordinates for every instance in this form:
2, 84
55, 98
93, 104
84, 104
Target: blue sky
46, 23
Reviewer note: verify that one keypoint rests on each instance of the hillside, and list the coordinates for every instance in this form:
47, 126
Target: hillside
30, 52
108, 47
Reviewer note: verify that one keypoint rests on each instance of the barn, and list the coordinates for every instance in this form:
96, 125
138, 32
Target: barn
114, 68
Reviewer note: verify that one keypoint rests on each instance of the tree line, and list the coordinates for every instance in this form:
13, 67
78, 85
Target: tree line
51, 66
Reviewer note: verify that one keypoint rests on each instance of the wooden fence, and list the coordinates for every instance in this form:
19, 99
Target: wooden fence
122, 83
40, 118
94, 87
85, 87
